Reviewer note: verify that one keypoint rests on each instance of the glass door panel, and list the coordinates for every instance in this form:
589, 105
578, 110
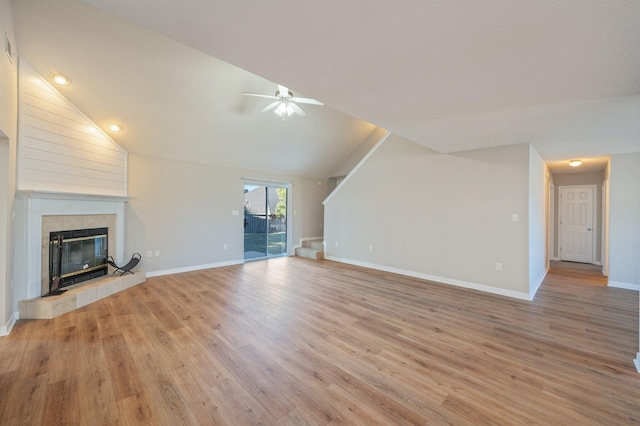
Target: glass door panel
265, 221
277, 221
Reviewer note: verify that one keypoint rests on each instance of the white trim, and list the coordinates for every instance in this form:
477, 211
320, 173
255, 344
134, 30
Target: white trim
533, 290
70, 196
357, 167
628, 286
193, 268
556, 259
442, 280
6, 329
262, 181
636, 361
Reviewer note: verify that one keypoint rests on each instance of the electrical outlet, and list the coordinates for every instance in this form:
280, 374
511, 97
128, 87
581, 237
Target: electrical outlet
157, 252
225, 246
498, 266
336, 244
150, 253
370, 248
515, 217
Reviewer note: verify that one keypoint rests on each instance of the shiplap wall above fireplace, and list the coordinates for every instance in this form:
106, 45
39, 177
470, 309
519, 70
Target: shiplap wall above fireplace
67, 166
59, 148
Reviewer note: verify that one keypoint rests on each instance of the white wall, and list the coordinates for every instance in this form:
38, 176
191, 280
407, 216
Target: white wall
60, 149
185, 211
359, 153
538, 220
624, 220
4, 230
8, 120
445, 217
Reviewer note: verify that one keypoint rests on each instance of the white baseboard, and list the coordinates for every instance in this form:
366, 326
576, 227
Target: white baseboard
193, 268
443, 280
628, 286
6, 329
636, 361
538, 283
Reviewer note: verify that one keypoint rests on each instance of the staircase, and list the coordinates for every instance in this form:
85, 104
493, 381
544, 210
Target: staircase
311, 249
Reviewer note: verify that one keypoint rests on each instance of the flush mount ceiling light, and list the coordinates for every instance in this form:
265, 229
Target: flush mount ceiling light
575, 163
60, 79
114, 127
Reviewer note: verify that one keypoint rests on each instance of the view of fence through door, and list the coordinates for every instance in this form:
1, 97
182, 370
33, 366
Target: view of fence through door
265, 221
576, 223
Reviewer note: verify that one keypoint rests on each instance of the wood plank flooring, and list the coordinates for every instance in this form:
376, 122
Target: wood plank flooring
294, 341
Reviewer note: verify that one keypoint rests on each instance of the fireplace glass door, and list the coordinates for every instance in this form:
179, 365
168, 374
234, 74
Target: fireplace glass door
265, 221
77, 255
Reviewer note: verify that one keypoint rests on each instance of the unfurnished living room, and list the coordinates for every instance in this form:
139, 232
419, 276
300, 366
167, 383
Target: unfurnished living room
302, 212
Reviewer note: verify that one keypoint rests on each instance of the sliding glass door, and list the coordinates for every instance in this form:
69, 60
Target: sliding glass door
265, 221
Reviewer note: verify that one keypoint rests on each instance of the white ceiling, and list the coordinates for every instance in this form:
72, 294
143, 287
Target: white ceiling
451, 75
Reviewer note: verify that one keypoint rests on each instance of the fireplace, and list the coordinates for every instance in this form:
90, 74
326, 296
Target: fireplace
42, 213
76, 256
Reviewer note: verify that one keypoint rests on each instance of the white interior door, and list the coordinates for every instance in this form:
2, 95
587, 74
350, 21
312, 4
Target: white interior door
576, 223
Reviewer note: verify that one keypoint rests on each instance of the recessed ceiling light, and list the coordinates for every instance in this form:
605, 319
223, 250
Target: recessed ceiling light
114, 127
60, 79
575, 163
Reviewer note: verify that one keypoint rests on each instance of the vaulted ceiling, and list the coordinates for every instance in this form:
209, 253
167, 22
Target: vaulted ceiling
562, 75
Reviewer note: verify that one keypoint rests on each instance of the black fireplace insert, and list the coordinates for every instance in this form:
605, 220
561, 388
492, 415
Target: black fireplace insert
76, 256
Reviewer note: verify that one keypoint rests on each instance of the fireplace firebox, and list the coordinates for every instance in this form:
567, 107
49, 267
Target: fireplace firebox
76, 256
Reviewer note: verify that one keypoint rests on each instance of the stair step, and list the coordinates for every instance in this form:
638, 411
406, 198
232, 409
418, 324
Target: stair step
310, 253
317, 245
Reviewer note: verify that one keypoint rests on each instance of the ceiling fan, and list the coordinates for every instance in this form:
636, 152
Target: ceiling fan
285, 103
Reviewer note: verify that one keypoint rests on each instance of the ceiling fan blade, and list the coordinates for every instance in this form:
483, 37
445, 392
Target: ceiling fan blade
270, 106
306, 101
297, 109
259, 95
284, 92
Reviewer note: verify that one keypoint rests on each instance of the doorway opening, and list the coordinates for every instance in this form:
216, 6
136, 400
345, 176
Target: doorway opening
265, 220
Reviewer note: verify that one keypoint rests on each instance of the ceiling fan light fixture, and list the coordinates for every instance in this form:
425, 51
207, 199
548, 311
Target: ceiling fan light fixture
284, 110
284, 103
575, 163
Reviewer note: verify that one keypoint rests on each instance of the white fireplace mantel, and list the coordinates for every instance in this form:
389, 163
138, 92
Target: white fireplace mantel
40, 203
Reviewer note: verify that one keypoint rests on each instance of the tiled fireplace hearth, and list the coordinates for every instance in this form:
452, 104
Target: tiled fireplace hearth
48, 212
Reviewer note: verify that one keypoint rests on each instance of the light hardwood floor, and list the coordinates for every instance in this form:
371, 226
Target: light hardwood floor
294, 341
